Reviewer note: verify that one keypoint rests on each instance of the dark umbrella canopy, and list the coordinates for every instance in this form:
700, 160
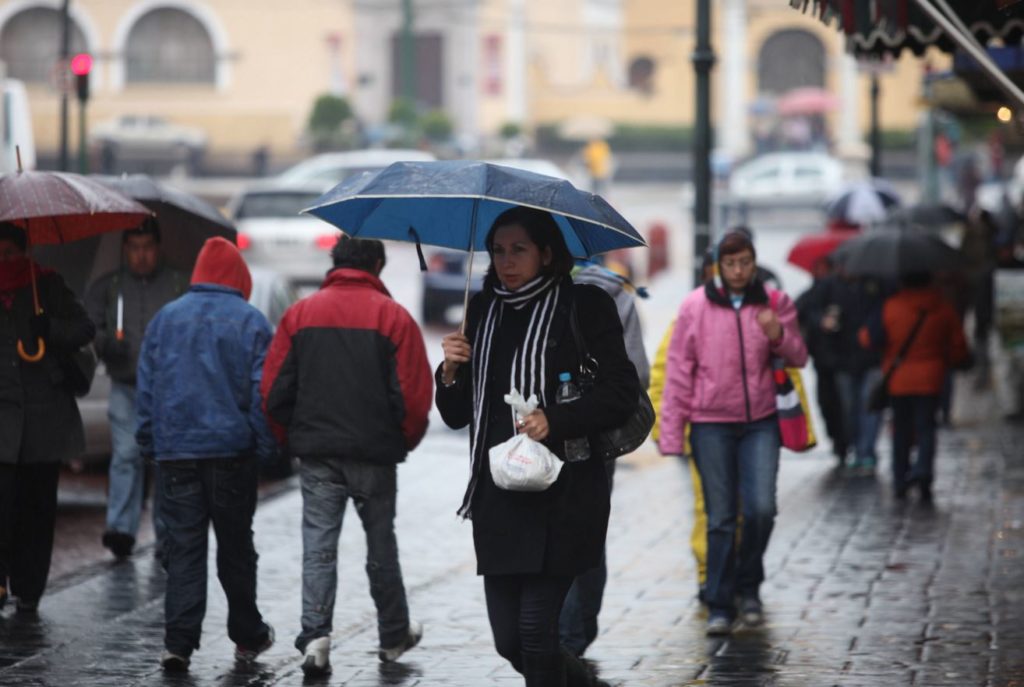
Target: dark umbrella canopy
926, 216
185, 223
812, 248
452, 204
895, 253
59, 207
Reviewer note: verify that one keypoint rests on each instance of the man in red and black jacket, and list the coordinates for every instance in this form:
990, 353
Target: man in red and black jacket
347, 387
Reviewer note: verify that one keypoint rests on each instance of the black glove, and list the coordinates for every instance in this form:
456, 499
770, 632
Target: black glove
39, 325
116, 350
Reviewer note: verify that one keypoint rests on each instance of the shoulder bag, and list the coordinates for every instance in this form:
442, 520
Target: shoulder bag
609, 444
878, 396
796, 430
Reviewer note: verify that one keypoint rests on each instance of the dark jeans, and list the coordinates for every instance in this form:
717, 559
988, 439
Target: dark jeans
913, 422
738, 464
28, 512
327, 484
577, 626
196, 493
832, 409
861, 424
524, 610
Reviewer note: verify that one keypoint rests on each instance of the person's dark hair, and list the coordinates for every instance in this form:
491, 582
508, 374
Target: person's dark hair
736, 241
915, 280
149, 227
15, 234
358, 254
542, 229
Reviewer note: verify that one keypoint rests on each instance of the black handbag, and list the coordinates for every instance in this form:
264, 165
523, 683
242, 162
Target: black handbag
878, 395
609, 444
79, 368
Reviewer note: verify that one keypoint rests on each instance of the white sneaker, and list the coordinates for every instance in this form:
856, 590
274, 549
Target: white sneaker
412, 638
316, 659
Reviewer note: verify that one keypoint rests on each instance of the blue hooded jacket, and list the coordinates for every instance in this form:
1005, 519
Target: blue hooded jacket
201, 365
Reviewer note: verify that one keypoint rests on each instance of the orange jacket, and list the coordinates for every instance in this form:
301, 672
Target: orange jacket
938, 345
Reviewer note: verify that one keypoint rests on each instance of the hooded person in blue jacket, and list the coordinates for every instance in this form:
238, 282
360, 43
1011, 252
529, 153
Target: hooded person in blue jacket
200, 417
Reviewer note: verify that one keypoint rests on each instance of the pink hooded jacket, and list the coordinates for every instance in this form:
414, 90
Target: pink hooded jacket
719, 362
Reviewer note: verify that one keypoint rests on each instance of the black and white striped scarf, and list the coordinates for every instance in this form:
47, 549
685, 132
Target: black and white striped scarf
529, 366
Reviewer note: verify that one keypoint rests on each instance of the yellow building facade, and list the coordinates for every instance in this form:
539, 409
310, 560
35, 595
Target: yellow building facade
246, 72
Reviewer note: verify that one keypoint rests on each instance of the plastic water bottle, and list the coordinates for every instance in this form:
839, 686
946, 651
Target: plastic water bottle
575, 449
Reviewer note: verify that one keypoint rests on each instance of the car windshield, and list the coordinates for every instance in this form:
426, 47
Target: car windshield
334, 175
275, 204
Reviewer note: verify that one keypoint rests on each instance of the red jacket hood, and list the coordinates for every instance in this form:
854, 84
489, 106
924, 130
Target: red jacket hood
220, 262
347, 276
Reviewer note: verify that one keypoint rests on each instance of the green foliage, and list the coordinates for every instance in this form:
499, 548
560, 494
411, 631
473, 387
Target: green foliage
436, 126
510, 130
403, 113
329, 111
627, 137
897, 139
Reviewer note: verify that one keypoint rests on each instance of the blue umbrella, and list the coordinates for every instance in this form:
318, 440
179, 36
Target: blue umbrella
452, 204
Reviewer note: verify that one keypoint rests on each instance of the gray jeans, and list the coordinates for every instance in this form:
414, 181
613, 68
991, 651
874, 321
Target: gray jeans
327, 484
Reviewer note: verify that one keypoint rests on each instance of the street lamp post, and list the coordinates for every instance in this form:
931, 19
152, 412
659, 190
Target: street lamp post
876, 133
703, 59
407, 53
65, 52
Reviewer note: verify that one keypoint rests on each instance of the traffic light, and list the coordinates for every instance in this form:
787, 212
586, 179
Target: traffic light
81, 65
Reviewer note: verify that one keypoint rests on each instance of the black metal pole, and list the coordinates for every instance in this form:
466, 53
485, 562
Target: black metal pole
876, 131
65, 53
407, 53
703, 59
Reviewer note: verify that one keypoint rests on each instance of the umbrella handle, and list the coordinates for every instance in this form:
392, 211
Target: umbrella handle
35, 357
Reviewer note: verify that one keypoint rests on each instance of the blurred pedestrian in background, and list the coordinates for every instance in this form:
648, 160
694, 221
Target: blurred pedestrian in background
40, 426
917, 314
577, 625
348, 388
200, 416
597, 156
531, 545
121, 305
719, 379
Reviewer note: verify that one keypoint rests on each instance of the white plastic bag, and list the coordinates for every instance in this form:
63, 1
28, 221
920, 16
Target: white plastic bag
522, 464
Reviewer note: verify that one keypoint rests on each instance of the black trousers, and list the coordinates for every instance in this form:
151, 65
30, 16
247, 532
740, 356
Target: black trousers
28, 513
524, 610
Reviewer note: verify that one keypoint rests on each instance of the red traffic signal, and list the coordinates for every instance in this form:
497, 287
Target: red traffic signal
81, 64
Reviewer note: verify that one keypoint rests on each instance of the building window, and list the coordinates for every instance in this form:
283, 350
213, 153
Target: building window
30, 44
777, 69
169, 46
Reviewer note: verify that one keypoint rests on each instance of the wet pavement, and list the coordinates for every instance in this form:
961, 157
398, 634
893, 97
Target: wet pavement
861, 589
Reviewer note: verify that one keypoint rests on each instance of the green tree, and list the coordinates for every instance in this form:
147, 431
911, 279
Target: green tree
436, 125
327, 122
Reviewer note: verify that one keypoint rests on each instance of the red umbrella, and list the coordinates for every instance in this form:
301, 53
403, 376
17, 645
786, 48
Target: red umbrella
806, 101
57, 207
812, 248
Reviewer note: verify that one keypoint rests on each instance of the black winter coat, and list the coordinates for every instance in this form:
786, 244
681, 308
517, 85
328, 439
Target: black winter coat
39, 419
559, 531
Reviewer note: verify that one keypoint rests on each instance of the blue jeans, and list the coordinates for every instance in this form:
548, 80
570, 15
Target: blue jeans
127, 469
738, 464
862, 425
327, 484
196, 493
913, 422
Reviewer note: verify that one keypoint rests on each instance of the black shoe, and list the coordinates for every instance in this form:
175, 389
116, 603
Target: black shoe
174, 663
925, 490
119, 543
27, 605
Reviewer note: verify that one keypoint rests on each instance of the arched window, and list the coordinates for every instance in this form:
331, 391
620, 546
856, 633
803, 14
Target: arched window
168, 45
30, 43
791, 58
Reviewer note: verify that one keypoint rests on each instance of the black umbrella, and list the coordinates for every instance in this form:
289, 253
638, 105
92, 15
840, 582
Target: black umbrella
926, 216
185, 223
895, 253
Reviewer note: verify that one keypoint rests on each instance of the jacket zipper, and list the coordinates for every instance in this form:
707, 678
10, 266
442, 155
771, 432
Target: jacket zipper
743, 363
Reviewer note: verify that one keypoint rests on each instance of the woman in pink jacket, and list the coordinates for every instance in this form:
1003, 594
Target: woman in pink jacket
719, 379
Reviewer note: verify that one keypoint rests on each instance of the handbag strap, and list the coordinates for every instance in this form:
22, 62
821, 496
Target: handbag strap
581, 344
906, 345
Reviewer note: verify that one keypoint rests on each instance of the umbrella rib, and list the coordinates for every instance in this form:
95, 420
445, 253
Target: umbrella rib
610, 227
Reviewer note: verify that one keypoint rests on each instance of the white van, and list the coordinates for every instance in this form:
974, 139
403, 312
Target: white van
15, 126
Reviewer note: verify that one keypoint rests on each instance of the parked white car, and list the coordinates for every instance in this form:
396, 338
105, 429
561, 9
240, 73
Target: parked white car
148, 139
808, 176
331, 169
272, 233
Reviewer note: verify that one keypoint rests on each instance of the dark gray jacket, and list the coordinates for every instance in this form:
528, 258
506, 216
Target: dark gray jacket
143, 297
39, 420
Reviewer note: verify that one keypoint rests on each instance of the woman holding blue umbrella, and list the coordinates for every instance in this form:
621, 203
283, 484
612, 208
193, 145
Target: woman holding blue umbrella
519, 334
